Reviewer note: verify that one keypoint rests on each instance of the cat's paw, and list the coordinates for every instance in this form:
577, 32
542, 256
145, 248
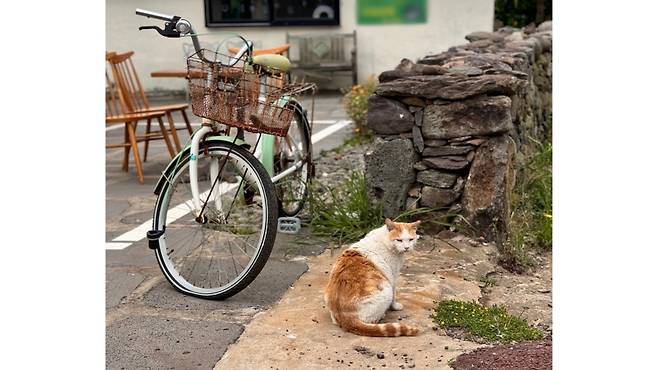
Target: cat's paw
396, 306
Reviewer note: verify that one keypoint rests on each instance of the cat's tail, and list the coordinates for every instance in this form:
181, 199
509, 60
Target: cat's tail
356, 326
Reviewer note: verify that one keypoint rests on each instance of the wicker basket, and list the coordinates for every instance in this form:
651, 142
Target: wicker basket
240, 96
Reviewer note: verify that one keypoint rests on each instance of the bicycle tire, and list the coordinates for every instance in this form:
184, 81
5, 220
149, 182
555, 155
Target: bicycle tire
265, 245
306, 171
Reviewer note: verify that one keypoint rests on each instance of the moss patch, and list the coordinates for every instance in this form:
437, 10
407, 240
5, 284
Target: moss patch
491, 324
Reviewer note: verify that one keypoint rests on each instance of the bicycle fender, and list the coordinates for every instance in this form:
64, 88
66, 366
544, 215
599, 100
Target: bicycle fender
296, 105
267, 150
185, 152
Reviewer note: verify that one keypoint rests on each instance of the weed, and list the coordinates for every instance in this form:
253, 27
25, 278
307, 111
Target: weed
488, 281
531, 221
492, 324
344, 213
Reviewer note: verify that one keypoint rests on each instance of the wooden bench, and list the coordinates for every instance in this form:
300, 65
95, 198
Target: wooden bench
317, 55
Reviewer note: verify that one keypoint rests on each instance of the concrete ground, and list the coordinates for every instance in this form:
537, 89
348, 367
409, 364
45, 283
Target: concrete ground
148, 324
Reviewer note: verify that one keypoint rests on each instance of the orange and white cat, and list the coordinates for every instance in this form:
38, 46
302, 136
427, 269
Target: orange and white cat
361, 285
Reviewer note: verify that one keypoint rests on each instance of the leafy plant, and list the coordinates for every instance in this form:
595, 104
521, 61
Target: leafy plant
344, 213
492, 324
355, 102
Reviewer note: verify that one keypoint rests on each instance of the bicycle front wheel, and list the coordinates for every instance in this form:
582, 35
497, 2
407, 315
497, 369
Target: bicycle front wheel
219, 254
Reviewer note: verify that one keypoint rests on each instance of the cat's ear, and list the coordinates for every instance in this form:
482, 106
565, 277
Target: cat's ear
415, 224
390, 225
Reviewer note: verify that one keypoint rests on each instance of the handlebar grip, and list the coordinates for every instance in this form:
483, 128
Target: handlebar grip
150, 14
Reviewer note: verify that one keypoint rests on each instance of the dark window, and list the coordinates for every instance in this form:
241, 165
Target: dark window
272, 12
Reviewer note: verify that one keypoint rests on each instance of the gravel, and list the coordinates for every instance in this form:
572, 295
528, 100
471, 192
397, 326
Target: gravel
535, 355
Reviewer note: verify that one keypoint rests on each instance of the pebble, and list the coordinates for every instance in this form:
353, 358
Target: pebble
380, 355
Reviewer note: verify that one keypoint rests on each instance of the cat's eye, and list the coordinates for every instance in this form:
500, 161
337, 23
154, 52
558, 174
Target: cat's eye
398, 240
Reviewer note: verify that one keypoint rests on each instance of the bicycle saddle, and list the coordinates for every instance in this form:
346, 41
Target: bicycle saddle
272, 62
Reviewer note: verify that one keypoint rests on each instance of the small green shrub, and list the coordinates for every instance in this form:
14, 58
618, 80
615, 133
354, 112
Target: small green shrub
355, 102
492, 324
344, 213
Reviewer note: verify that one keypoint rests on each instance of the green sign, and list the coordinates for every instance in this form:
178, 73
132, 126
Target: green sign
391, 11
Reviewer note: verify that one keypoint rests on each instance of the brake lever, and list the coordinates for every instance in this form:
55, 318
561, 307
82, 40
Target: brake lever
169, 30
160, 30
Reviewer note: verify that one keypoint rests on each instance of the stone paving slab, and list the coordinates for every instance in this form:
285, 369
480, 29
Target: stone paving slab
528, 295
148, 342
298, 333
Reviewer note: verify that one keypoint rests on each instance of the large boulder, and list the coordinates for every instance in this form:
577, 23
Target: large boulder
388, 117
488, 188
408, 68
453, 86
485, 115
390, 174
446, 150
436, 179
546, 26
482, 35
451, 162
437, 198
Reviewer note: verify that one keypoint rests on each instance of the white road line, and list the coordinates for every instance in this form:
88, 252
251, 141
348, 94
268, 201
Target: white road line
329, 130
128, 238
116, 245
325, 121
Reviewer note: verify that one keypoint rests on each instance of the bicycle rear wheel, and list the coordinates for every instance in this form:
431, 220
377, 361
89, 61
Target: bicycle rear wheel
218, 256
292, 190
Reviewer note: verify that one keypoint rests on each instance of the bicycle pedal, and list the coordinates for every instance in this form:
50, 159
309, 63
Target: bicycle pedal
289, 225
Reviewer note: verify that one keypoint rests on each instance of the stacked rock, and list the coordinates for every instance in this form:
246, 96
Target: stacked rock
450, 126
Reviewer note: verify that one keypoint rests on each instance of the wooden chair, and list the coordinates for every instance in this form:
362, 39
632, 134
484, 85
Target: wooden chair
115, 113
129, 84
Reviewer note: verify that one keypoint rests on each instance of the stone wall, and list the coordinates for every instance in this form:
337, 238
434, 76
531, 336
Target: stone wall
452, 127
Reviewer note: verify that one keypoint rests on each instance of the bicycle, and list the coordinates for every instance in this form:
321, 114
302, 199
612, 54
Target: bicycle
215, 217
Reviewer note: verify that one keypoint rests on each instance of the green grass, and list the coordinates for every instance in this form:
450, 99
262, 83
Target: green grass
531, 220
344, 213
491, 324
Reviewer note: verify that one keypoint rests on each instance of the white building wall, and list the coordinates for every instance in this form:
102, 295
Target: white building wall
379, 47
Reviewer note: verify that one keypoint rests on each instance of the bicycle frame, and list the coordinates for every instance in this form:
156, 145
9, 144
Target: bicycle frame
177, 27
264, 152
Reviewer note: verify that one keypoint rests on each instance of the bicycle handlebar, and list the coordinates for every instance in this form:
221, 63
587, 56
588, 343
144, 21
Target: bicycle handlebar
177, 27
150, 14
